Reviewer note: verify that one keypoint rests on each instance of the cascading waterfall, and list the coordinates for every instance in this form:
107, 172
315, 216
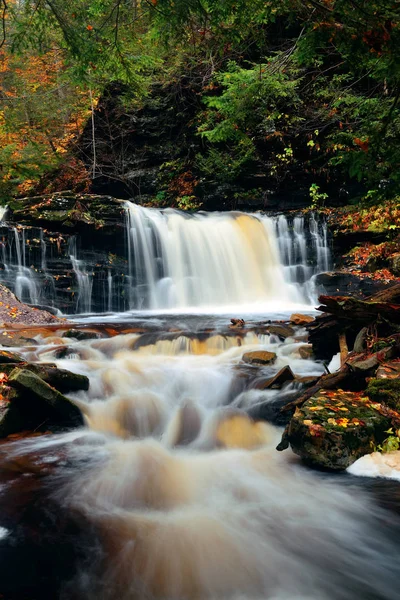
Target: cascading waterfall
221, 259
174, 260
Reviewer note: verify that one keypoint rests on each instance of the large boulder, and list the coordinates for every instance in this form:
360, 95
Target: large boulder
334, 428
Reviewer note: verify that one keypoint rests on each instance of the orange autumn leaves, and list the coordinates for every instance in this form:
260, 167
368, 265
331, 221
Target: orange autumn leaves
40, 117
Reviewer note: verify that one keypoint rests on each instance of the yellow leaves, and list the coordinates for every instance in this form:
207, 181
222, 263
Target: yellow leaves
342, 422
307, 422
314, 408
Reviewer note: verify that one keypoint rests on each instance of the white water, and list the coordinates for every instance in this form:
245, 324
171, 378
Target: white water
189, 496
211, 262
184, 261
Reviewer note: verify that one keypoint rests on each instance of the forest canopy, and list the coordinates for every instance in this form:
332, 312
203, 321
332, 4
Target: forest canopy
282, 88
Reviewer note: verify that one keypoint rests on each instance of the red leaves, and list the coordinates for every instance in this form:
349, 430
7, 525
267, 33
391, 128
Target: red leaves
363, 144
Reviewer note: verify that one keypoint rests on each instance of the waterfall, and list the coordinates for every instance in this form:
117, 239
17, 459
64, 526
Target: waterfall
171, 260
220, 259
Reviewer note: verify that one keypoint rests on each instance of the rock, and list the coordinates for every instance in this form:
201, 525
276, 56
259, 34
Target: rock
306, 351
237, 323
10, 357
283, 376
13, 311
364, 363
28, 382
63, 380
299, 319
80, 334
385, 390
16, 341
333, 429
307, 380
342, 282
395, 264
11, 417
388, 370
282, 331
259, 357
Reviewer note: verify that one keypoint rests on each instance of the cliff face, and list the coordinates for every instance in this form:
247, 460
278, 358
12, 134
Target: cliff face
66, 250
153, 153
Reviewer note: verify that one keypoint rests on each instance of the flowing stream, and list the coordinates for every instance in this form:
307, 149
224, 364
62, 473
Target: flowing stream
174, 486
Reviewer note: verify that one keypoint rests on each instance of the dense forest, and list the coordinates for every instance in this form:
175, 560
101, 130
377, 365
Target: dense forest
202, 103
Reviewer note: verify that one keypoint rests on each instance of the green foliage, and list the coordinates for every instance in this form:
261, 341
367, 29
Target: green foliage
327, 104
317, 198
391, 443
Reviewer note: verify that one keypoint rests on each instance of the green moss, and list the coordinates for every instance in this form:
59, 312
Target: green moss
385, 390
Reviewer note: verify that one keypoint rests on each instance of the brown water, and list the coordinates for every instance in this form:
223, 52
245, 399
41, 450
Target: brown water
175, 493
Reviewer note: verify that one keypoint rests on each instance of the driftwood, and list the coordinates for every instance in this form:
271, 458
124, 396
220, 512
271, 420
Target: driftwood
346, 317
326, 382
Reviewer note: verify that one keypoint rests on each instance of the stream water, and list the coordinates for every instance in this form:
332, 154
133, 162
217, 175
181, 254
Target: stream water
174, 486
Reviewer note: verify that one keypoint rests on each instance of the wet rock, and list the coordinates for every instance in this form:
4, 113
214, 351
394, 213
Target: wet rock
82, 334
338, 283
259, 357
333, 429
237, 323
388, 370
306, 351
11, 417
368, 364
276, 382
30, 383
299, 319
385, 390
10, 357
282, 331
16, 341
307, 380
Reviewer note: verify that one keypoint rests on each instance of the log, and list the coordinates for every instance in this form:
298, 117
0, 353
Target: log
391, 295
326, 382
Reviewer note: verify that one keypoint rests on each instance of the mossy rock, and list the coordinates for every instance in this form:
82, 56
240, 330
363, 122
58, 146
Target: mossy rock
385, 390
10, 357
335, 428
59, 409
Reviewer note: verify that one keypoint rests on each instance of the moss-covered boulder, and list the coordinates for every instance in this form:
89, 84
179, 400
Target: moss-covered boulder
385, 390
11, 417
60, 409
334, 428
259, 357
63, 380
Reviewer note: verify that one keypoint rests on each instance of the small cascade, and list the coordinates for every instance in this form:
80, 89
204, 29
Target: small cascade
25, 283
304, 251
84, 280
221, 259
